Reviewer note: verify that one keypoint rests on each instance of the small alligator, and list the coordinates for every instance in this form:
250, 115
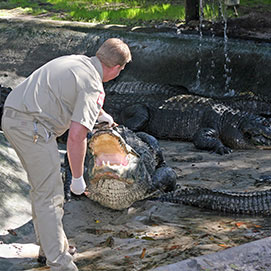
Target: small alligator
119, 174
123, 167
210, 123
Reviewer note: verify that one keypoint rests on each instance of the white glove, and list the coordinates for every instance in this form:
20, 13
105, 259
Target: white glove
104, 117
78, 185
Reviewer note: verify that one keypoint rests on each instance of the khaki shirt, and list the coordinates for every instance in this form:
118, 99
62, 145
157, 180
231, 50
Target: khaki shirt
64, 89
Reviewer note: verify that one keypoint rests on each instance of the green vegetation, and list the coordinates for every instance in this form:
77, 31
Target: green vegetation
118, 13
109, 11
121, 11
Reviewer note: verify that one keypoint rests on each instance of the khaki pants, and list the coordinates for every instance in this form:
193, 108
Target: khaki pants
41, 161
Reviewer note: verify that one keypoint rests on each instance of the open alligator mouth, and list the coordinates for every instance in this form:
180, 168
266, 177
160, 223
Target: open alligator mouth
112, 156
116, 167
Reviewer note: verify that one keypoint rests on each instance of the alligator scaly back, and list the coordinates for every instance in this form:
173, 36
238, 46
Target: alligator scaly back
249, 102
144, 88
213, 124
250, 203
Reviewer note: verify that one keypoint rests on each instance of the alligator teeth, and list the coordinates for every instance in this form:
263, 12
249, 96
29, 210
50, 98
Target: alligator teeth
106, 163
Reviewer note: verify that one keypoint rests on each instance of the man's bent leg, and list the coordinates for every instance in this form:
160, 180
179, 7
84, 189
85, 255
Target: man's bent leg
42, 163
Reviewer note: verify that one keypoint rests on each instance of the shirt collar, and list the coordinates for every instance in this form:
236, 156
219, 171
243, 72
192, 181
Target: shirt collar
98, 65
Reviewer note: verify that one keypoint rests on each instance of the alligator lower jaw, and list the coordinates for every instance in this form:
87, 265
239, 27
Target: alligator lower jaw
114, 186
114, 194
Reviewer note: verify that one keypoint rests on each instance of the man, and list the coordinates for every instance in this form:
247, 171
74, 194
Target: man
65, 93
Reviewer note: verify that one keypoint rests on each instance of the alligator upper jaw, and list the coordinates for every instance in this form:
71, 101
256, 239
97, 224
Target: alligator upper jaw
108, 149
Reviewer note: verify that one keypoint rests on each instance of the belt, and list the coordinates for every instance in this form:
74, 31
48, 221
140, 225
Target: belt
14, 114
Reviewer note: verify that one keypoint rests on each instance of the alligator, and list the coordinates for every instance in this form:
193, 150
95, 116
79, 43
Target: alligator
247, 101
125, 167
210, 123
247, 203
171, 112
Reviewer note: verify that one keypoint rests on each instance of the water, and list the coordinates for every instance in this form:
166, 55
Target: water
213, 66
227, 69
227, 61
199, 50
157, 57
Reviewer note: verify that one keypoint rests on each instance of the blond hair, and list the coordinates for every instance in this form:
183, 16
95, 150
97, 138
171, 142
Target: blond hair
114, 52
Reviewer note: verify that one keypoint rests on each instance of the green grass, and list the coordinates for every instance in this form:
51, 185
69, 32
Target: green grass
102, 11
124, 13
121, 11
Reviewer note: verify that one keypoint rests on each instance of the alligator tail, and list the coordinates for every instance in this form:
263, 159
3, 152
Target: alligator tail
251, 203
67, 179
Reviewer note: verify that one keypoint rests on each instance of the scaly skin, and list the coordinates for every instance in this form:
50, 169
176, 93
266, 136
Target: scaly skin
250, 203
124, 167
208, 123
137, 173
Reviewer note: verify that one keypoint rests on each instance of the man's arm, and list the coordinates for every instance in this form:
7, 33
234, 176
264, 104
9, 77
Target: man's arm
76, 148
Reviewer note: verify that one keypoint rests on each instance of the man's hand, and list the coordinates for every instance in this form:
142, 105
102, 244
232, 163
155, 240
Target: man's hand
78, 185
104, 117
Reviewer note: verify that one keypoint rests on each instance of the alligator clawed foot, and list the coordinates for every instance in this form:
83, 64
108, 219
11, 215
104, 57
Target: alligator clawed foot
67, 196
222, 150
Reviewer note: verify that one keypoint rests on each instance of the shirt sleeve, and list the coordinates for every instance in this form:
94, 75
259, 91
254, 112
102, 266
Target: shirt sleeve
87, 107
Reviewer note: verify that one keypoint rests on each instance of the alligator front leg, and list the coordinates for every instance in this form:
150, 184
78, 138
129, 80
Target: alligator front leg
164, 179
207, 139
